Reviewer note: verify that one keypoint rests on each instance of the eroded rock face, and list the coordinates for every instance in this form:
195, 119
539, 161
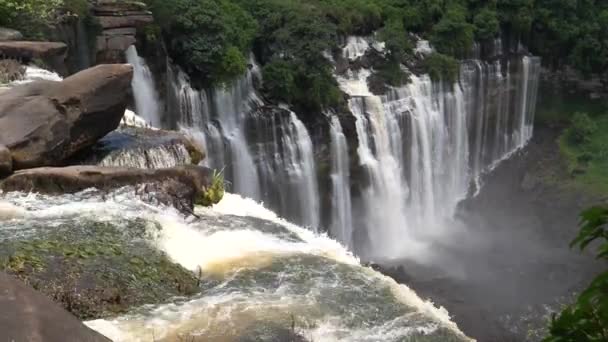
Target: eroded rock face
53, 54
119, 22
45, 122
179, 186
27, 315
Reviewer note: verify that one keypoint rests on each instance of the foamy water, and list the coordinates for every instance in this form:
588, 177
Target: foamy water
256, 269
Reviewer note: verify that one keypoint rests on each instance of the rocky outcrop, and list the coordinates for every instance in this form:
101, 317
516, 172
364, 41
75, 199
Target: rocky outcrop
119, 22
45, 122
27, 315
142, 148
180, 187
9, 34
52, 54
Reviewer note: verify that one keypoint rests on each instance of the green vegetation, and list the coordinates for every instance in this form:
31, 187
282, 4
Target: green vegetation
96, 269
215, 192
210, 40
584, 144
587, 319
33, 17
440, 66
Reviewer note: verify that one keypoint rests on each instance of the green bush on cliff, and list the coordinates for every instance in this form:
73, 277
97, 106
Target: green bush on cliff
209, 39
214, 193
33, 17
442, 67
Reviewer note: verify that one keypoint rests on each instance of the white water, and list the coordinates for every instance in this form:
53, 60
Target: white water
265, 159
257, 270
144, 90
341, 206
424, 144
33, 73
219, 114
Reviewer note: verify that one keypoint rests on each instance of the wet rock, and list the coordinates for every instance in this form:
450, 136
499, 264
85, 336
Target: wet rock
53, 54
142, 148
9, 34
29, 316
6, 161
96, 269
10, 70
45, 122
180, 187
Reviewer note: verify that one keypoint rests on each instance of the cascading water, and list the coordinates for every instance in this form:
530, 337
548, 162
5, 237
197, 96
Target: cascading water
286, 166
265, 158
424, 144
144, 90
257, 270
220, 113
341, 221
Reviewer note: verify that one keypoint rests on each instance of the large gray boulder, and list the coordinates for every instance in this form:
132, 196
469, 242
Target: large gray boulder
9, 34
28, 316
45, 122
180, 187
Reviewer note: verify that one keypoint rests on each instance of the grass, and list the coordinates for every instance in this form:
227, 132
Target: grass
587, 162
215, 192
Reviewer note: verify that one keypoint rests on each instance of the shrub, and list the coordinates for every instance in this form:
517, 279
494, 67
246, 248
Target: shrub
442, 67
581, 128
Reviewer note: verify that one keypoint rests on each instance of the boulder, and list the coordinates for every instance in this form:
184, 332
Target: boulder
53, 54
6, 161
180, 186
45, 122
142, 148
27, 315
9, 34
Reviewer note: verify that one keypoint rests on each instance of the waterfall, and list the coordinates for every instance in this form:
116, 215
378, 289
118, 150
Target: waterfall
286, 166
265, 157
148, 158
219, 114
341, 208
144, 90
423, 146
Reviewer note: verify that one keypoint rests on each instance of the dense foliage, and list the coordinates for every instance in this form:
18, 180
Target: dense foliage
32, 17
292, 38
587, 319
212, 39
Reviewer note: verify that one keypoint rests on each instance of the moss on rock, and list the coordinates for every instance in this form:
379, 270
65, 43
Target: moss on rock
98, 270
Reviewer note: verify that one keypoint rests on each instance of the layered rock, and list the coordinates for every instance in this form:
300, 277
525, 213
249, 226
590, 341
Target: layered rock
45, 122
119, 22
180, 187
27, 315
143, 148
52, 54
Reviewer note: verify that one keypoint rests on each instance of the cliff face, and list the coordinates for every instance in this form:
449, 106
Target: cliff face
119, 22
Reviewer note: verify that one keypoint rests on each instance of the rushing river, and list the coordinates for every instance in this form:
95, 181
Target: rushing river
260, 275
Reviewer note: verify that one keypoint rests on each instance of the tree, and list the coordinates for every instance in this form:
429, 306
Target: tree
453, 35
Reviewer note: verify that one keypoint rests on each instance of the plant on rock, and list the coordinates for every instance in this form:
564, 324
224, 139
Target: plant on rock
215, 192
